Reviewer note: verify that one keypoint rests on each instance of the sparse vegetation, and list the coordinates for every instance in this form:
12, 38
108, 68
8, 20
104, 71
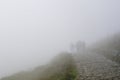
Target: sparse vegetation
62, 67
109, 47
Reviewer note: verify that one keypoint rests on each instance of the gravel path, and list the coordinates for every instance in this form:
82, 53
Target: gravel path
92, 66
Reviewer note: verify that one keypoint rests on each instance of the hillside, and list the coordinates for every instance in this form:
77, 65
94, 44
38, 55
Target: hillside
109, 47
61, 68
101, 61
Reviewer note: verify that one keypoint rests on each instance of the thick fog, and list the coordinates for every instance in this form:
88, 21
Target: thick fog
34, 31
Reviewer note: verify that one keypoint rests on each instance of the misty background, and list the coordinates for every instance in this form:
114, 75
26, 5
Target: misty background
33, 31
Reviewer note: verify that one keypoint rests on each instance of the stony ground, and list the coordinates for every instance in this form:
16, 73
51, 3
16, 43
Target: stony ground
92, 66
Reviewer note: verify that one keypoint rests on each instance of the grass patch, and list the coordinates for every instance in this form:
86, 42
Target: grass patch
62, 67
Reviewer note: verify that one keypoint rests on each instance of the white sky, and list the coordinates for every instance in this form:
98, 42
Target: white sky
33, 31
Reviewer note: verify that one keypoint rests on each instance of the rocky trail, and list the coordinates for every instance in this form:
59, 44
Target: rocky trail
92, 66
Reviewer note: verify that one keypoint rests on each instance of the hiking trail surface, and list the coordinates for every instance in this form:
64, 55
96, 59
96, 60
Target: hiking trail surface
93, 66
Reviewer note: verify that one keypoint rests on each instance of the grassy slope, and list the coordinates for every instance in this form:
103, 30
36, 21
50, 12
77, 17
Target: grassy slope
61, 68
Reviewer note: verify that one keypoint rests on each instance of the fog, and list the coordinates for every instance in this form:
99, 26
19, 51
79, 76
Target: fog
32, 32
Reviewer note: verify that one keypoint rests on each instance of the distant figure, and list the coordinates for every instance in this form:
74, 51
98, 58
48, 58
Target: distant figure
80, 46
72, 48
